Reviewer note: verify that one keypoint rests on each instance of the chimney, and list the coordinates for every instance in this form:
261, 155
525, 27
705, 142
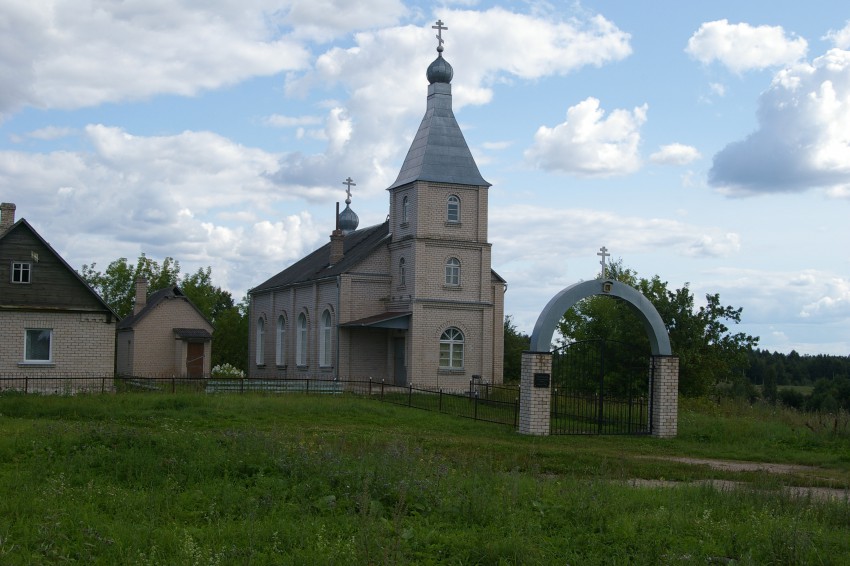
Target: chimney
337, 241
7, 216
141, 294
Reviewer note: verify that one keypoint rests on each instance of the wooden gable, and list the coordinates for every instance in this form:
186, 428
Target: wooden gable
53, 285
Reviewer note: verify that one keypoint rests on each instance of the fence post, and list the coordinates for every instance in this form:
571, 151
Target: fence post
440, 402
370, 387
410, 395
26, 384
173, 385
476, 406
382, 389
308, 384
516, 412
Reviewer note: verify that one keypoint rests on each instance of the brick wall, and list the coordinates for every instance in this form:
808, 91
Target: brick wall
534, 402
81, 343
665, 397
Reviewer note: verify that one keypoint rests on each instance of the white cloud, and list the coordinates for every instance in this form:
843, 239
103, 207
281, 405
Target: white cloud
280, 121
323, 20
802, 141
64, 54
675, 154
195, 196
715, 246
742, 47
590, 144
840, 38
49, 133
382, 115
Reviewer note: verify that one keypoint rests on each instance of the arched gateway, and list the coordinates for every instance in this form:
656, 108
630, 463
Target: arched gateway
535, 400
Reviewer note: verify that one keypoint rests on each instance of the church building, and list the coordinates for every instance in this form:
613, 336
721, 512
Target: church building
412, 301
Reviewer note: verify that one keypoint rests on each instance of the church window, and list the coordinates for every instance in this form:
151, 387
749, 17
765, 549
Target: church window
280, 341
401, 272
453, 209
325, 349
261, 334
301, 341
405, 210
451, 349
21, 272
453, 271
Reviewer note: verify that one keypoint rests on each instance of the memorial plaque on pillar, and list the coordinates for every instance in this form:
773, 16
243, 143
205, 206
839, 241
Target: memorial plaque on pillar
541, 380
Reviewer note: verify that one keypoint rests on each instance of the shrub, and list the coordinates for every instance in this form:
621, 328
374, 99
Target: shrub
227, 371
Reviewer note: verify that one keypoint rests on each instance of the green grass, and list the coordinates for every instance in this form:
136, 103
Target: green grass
227, 479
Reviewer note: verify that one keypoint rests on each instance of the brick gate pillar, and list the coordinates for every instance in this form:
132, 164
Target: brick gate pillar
534, 393
665, 396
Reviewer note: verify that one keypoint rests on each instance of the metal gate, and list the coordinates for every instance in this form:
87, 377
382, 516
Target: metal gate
601, 387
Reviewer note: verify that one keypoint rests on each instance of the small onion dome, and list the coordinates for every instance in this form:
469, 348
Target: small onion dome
348, 220
440, 71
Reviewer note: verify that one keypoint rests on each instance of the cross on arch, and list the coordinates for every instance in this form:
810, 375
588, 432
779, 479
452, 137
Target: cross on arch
603, 253
439, 27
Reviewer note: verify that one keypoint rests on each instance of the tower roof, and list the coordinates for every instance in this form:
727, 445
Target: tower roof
439, 152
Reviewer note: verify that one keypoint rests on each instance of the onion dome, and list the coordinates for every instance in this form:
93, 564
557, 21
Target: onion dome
440, 71
348, 219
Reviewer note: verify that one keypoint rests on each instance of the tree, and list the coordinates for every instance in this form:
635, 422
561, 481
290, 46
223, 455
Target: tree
516, 343
230, 339
708, 352
210, 300
117, 285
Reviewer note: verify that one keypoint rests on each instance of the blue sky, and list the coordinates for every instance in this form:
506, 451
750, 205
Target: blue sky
708, 143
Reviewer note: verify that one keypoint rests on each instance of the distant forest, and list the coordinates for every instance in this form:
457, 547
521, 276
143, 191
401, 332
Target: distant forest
827, 376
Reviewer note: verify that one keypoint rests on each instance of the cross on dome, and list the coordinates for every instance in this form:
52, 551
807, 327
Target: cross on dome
348, 184
439, 27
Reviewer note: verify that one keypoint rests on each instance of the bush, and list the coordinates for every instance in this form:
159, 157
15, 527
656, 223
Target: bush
227, 371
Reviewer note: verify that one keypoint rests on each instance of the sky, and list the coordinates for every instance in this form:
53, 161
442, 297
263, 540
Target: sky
707, 143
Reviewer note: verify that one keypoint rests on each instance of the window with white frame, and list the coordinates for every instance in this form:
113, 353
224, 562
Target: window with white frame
453, 271
453, 209
325, 349
451, 349
261, 336
38, 345
405, 209
280, 341
301, 341
402, 274
21, 272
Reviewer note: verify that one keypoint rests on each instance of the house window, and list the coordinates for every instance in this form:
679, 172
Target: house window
453, 271
301, 341
38, 345
280, 353
401, 273
453, 209
261, 334
21, 272
325, 340
405, 210
451, 349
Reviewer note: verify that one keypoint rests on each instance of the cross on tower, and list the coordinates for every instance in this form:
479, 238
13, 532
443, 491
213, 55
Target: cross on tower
603, 253
439, 27
348, 184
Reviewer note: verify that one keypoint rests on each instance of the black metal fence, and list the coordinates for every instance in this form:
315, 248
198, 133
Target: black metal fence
482, 401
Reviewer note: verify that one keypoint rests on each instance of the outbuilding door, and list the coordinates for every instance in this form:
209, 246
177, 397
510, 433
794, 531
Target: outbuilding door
195, 359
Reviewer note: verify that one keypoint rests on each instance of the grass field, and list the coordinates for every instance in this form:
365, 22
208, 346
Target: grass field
229, 479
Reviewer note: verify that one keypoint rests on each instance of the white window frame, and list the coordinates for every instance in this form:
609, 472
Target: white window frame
452, 274
405, 209
301, 341
402, 273
325, 340
260, 351
29, 333
21, 272
280, 341
453, 209
451, 349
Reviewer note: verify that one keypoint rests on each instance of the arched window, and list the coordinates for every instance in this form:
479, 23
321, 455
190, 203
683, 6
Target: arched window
325, 349
401, 273
261, 336
405, 209
453, 209
451, 349
280, 341
301, 341
453, 271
